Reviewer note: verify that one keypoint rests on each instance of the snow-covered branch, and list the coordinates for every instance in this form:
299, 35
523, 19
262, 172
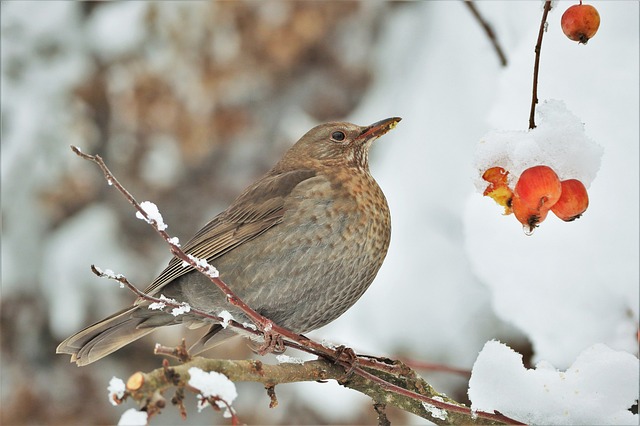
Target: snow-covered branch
143, 386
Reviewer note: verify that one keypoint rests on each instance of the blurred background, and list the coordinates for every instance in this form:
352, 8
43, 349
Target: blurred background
188, 102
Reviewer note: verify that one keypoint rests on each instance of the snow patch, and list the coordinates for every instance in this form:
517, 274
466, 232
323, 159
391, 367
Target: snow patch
598, 388
213, 384
559, 141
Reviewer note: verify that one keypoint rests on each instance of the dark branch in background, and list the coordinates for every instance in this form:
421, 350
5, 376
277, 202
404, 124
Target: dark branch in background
488, 30
536, 65
384, 380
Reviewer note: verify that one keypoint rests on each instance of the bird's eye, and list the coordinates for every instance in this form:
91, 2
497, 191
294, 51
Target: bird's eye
338, 136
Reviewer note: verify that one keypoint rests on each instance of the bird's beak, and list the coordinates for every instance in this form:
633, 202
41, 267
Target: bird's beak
379, 128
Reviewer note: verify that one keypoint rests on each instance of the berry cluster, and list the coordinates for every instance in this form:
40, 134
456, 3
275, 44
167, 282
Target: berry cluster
537, 191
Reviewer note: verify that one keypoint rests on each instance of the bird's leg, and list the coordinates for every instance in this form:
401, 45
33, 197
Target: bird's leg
273, 341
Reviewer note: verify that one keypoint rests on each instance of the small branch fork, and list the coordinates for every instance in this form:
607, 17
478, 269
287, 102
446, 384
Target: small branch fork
536, 65
357, 367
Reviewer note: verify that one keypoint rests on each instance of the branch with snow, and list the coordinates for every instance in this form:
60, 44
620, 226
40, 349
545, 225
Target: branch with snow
196, 376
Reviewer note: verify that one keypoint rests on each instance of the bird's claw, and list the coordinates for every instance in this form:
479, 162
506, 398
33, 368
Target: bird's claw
273, 342
348, 356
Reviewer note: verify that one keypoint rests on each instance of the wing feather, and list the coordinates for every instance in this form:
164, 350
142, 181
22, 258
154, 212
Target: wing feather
258, 209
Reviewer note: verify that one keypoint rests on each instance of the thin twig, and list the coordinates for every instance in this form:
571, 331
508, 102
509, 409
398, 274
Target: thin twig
488, 30
381, 410
536, 65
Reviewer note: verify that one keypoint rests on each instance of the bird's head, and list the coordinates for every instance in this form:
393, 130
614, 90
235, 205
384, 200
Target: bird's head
336, 144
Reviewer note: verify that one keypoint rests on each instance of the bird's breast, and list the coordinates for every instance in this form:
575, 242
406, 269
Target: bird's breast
319, 259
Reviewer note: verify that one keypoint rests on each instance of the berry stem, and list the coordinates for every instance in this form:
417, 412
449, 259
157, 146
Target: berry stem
536, 65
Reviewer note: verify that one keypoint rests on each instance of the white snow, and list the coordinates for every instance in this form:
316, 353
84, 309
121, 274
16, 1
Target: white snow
438, 413
153, 215
558, 141
213, 384
286, 359
157, 306
209, 270
116, 388
133, 417
181, 309
249, 325
598, 388
108, 273
226, 317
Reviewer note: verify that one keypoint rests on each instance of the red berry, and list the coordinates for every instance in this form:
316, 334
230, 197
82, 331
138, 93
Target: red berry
580, 22
538, 186
537, 190
573, 200
529, 217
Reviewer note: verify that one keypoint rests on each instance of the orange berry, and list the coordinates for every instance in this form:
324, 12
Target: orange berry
529, 217
573, 201
538, 186
497, 188
580, 22
536, 191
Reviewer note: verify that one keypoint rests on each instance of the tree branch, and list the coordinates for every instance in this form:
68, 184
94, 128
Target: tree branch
536, 65
488, 30
147, 385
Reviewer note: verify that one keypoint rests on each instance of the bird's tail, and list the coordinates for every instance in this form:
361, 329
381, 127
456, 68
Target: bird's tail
104, 337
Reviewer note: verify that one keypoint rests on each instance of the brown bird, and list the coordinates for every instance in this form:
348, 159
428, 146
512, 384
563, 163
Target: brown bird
300, 246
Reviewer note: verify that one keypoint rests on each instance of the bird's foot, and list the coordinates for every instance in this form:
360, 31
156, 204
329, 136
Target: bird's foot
273, 342
348, 356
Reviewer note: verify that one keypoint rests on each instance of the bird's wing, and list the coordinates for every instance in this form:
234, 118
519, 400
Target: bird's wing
259, 208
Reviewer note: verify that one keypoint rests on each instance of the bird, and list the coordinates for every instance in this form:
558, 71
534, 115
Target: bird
300, 246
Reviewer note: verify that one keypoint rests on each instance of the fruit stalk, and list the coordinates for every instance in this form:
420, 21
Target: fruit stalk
536, 65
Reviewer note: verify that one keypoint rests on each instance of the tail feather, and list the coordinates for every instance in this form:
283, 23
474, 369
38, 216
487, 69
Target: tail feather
104, 337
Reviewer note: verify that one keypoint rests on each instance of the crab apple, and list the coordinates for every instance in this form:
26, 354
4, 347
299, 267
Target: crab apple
498, 188
529, 217
573, 200
537, 189
580, 22
538, 186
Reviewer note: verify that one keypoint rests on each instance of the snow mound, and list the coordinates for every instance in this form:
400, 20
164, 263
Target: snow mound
559, 141
598, 388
